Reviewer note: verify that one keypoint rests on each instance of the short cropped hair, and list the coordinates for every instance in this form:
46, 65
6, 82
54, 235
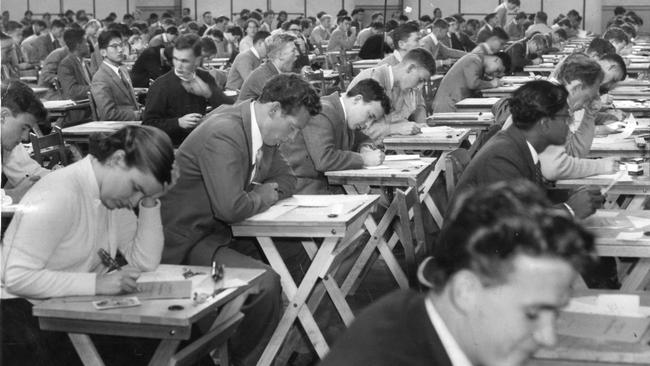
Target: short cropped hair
516, 2
490, 17
356, 11
490, 226
189, 41
56, 23
73, 38
276, 43
500, 34
541, 16
441, 24
536, 100
292, 92
403, 32
521, 15
105, 38
616, 34
377, 26
208, 47
618, 60
371, 91
20, 98
260, 36
342, 19
505, 59
600, 47
421, 58
579, 66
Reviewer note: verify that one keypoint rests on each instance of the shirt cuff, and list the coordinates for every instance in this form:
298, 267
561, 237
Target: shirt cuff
566, 205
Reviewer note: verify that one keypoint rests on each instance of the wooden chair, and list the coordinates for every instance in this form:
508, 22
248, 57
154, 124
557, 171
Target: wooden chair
455, 163
93, 107
49, 150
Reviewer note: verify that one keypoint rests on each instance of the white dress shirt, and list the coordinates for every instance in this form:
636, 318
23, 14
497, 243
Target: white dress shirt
455, 353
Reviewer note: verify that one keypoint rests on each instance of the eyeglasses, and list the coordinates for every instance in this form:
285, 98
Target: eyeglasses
117, 45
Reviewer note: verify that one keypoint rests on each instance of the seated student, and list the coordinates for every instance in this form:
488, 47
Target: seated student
515, 28
405, 38
503, 268
443, 55
152, 63
50, 247
540, 25
466, 78
373, 28
72, 74
231, 168
501, 11
165, 38
47, 76
111, 87
460, 39
339, 39
248, 61
541, 118
615, 71
527, 51
617, 38
281, 55
376, 46
486, 30
331, 139
250, 27
177, 101
321, 32
21, 111
402, 84
493, 44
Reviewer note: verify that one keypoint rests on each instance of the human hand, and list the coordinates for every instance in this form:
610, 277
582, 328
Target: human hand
404, 128
495, 82
585, 201
116, 282
268, 192
372, 157
150, 201
189, 120
537, 61
197, 86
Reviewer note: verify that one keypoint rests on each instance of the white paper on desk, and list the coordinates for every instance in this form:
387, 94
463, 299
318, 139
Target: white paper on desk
604, 223
376, 167
606, 304
610, 177
639, 222
58, 103
604, 328
630, 126
273, 212
630, 236
605, 213
402, 157
437, 129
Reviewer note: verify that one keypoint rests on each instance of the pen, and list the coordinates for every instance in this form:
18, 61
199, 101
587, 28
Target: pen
259, 184
108, 261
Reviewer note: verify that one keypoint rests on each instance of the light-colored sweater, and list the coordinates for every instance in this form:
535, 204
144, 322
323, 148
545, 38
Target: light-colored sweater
50, 247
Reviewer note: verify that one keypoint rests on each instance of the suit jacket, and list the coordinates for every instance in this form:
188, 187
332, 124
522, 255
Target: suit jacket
115, 101
505, 157
243, 65
340, 41
75, 82
395, 330
460, 82
325, 143
502, 14
515, 31
167, 100
253, 85
215, 175
518, 59
149, 65
37, 49
158, 41
439, 50
483, 34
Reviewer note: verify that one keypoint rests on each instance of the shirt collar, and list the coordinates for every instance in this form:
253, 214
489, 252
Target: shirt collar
256, 134
489, 27
533, 152
116, 69
433, 38
391, 79
257, 54
398, 55
52, 38
455, 353
345, 113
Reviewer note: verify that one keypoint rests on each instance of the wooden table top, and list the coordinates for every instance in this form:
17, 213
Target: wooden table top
65, 105
638, 67
473, 120
152, 311
577, 351
307, 216
521, 79
441, 138
607, 225
394, 172
476, 104
636, 185
639, 105
88, 128
625, 148
545, 68
500, 92
625, 92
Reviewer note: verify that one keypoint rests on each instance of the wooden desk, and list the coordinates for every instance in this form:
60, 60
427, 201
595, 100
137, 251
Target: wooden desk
153, 319
443, 139
81, 133
58, 109
39, 91
473, 120
476, 104
520, 79
413, 176
339, 234
606, 225
636, 190
630, 81
544, 68
629, 92
622, 149
500, 92
639, 106
574, 351
637, 67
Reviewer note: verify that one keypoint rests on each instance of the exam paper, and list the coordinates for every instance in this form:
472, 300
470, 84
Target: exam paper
602, 327
402, 157
639, 222
610, 177
630, 126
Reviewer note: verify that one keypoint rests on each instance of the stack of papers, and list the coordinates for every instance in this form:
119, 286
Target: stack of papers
53, 104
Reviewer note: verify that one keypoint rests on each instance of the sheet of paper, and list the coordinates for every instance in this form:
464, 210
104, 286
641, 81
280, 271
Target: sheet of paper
376, 167
58, 103
604, 223
272, 213
602, 327
606, 213
610, 177
402, 157
639, 222
320, 200
630, 235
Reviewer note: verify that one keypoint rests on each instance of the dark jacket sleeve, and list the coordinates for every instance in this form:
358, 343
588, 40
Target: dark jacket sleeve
155, 114
218, 97
71, 87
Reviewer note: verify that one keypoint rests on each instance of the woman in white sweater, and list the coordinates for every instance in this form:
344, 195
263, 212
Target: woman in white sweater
50, 248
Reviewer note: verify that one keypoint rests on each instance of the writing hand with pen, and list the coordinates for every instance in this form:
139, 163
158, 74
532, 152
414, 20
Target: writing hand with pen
269, 192
371, 156
118, 279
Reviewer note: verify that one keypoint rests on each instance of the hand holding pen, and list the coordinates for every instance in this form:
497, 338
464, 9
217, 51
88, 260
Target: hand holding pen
117, 280
270, 192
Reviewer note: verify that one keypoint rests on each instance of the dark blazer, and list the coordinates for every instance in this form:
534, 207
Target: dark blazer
37, 50
325, 143
115, 101
253, 85
440, 51
518, 59
505, 157
167, 100
483, 34
149, 65
461, 81
395, 330
213, 190
375, 47
75, 82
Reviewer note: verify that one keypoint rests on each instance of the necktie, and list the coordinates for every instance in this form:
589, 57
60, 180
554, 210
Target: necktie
258, 160
56, 44
127, 85
85, 72
538, 173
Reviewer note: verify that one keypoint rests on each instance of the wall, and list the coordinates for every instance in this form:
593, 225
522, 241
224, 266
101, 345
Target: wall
641, 7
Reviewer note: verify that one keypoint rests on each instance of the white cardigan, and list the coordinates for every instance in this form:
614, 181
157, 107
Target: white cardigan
50, 247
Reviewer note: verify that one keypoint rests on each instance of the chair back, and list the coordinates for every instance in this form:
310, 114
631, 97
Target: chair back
455, 164
49, 150
93, 106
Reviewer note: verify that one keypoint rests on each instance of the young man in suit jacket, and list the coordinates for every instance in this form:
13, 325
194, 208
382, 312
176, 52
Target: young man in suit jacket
231, 169
443, 54
486, 30
247, 61
331, 139
111, 86
466, 77
482, 308
37, 49
74, 79
281, 55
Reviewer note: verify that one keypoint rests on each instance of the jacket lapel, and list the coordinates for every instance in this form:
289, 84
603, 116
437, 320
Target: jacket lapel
245, 113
